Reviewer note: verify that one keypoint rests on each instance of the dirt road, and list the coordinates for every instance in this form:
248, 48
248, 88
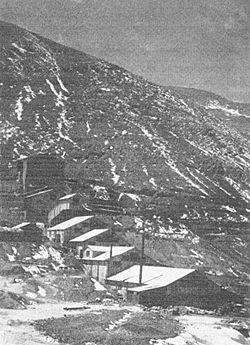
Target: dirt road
16, 330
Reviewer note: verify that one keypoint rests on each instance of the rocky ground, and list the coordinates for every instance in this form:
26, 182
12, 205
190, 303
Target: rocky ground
37, 296
101, 324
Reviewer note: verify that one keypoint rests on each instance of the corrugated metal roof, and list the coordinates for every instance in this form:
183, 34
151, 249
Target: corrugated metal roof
68, 196
152, 276
88, 235
20, 226
105, 252
70, 222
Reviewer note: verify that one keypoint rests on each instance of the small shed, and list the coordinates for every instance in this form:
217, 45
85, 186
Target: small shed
91, 237
102, 261
67, 230
165, 286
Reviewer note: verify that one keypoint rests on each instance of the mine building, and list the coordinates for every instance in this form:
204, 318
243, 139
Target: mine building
102, 261
38, 204
28, 187
165, 286
94, 237
37, 171
63, 232
11, 203
67, 202
24, 232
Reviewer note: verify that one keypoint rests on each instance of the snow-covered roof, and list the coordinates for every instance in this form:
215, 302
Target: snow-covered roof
152, 276
70, 222
88, 235
105, 252
68, 196
21, 225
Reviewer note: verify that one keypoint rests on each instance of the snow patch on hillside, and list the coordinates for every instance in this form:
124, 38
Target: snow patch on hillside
60, 97
61, 84
19, 108
198, 147
158, 143
197, 179
152, 181
228, 111
22, 50
217, 185
173, 166
138, 223
101, 192
134, 197
30, 94
244, 193
116, 177
88, 127
8, 130
46, 253
145, 170
228, 208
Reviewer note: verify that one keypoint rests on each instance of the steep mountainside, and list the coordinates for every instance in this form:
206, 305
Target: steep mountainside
235, 115
185, 166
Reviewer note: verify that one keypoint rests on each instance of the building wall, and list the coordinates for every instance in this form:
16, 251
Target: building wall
30, 233
113, 266
9, 186
38, 206
117, 265
67, 234
11, 209
193, 290
61, 205
41, 169
98, 270
56, 210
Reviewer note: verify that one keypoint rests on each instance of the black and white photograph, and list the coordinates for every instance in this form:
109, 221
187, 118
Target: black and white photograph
124, 172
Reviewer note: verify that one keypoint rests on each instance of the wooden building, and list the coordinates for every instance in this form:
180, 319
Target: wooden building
11, 203
102, 261
65, 231
40, 170
94, 237
67, 202
164, 286
23, 232
38, 204
25, 184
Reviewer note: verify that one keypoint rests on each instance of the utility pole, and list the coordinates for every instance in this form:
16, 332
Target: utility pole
111, 252
142, 256
111, 245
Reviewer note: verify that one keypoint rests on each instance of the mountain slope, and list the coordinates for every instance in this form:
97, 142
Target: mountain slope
181, 162
235, 115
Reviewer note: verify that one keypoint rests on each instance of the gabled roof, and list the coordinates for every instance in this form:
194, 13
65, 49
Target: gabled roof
89, 235
70, 222
152, 276
68, 196
105, 252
